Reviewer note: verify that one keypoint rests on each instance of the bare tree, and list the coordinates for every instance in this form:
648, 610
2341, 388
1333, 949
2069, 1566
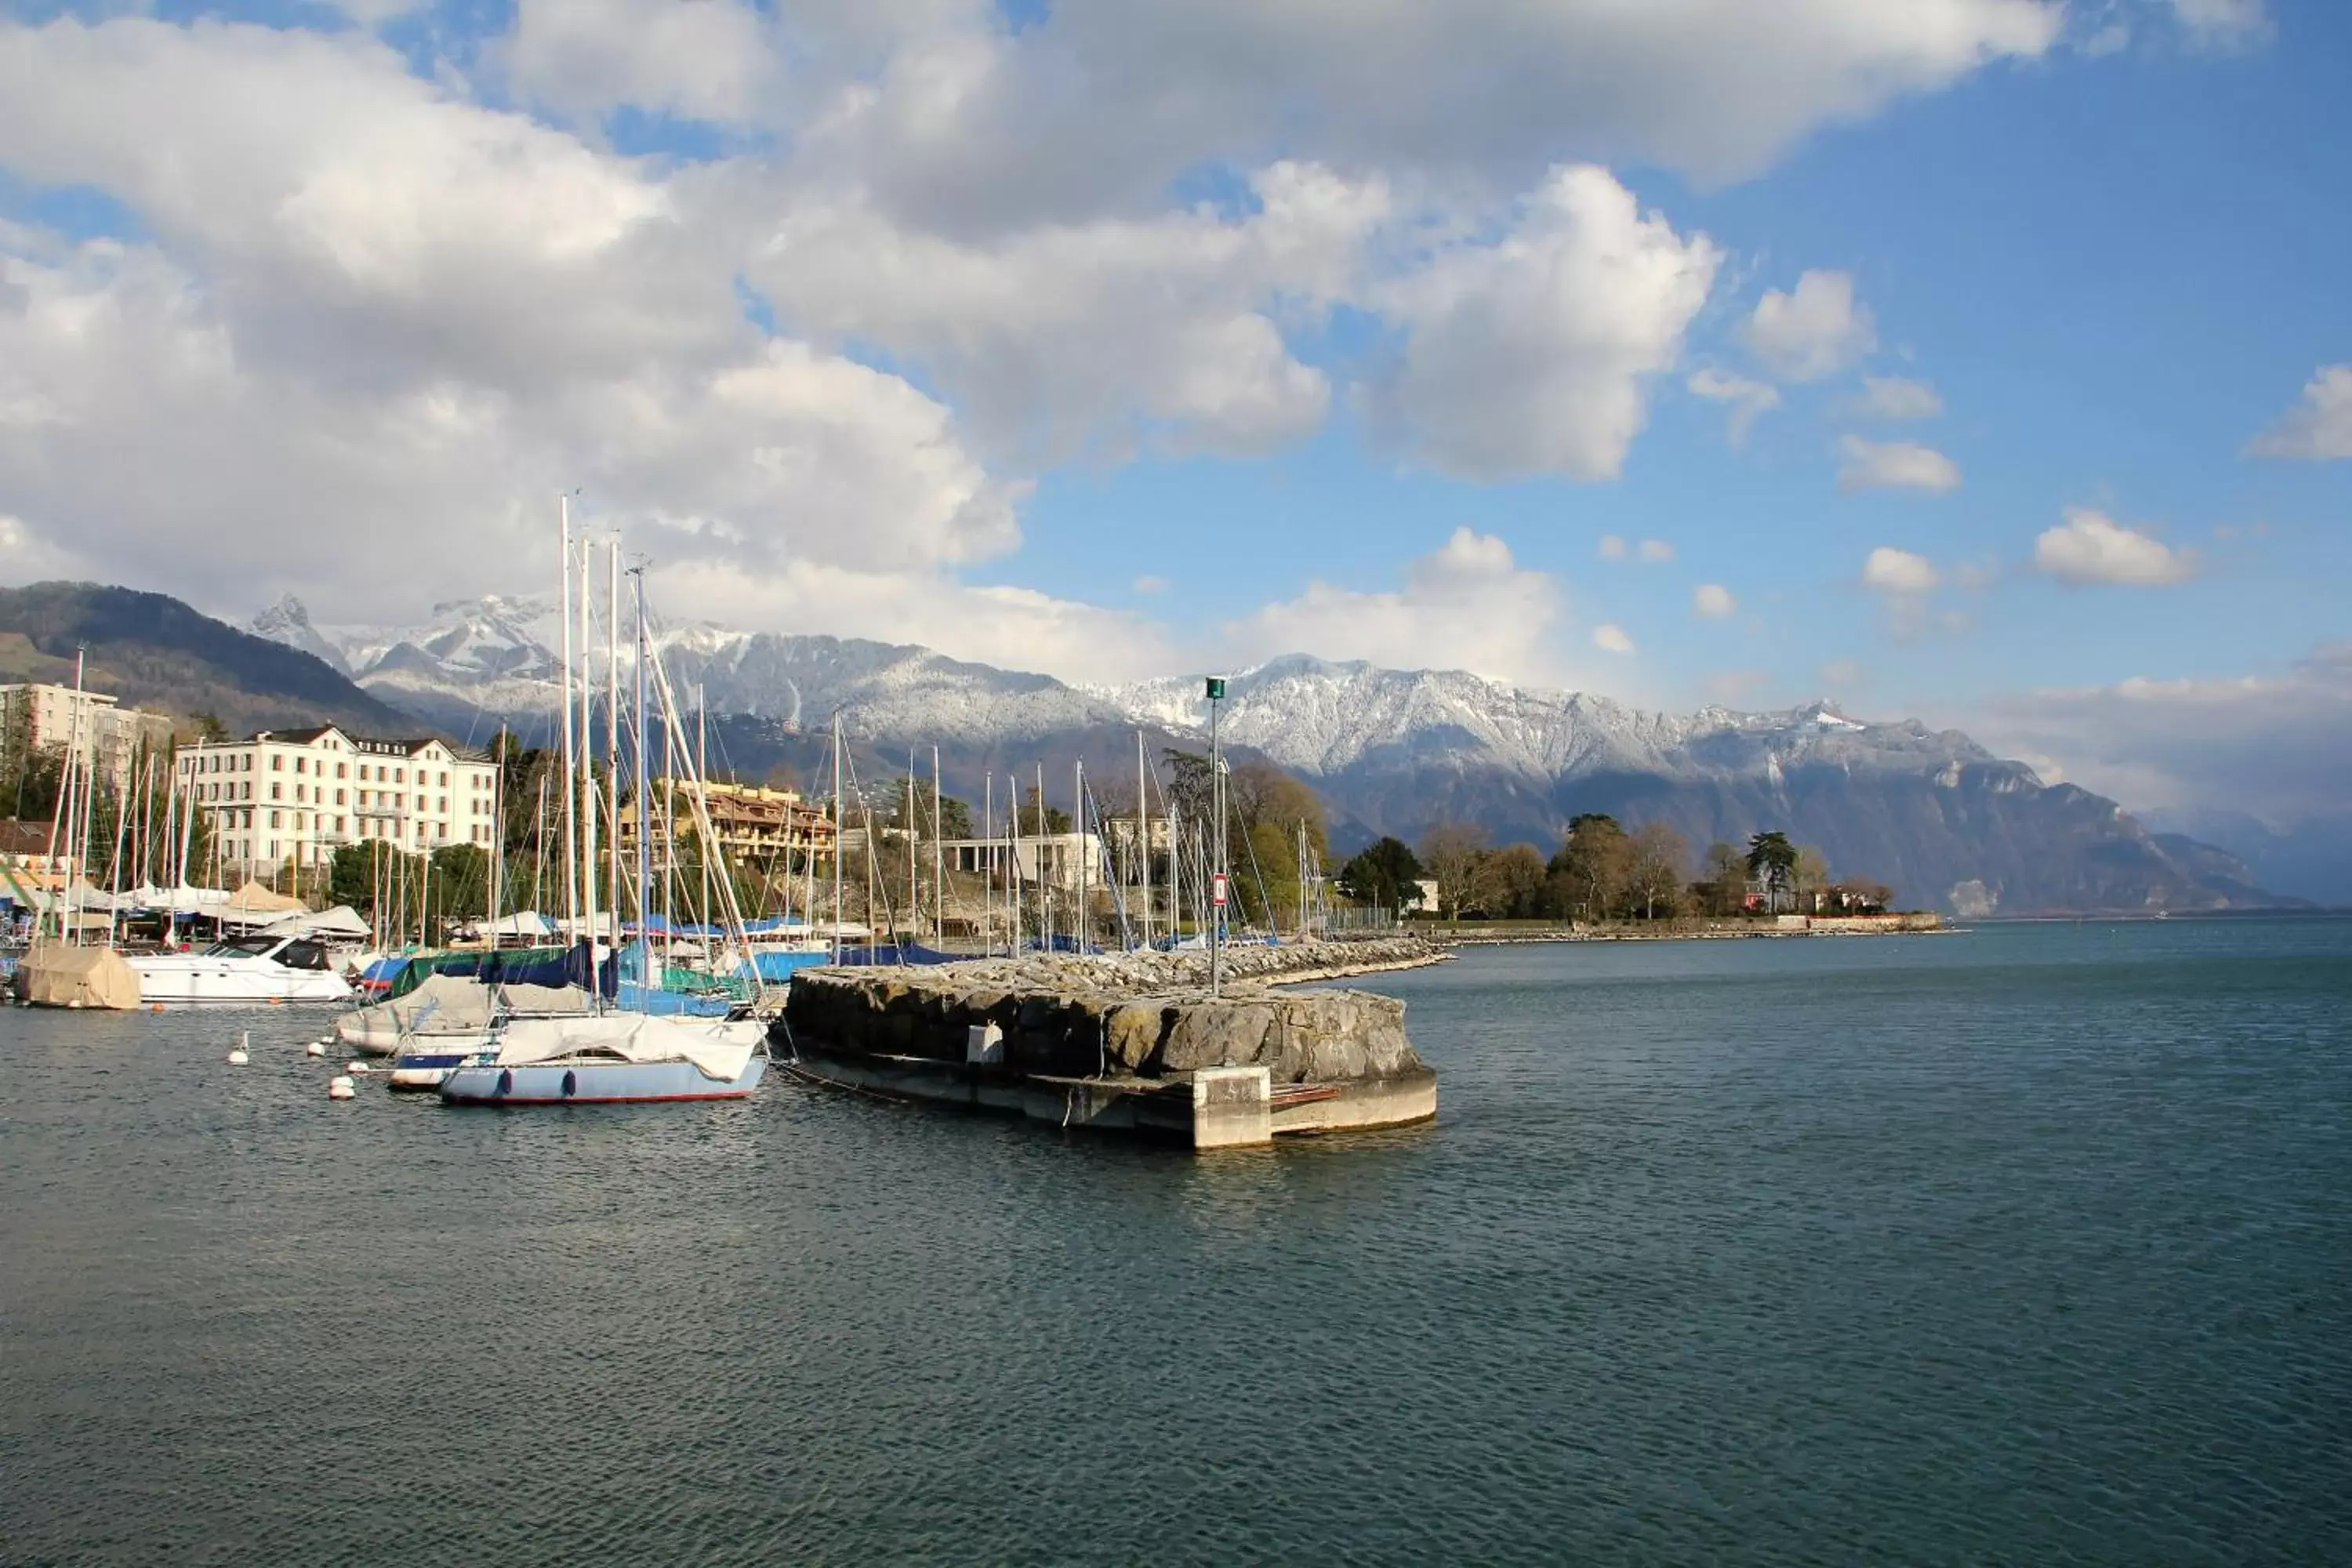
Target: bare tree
1450, 853
1658, 856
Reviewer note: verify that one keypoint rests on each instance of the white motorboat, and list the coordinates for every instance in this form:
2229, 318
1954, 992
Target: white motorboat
243, 970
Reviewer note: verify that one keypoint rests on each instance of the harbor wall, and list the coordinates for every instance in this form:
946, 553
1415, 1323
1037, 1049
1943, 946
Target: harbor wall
1083, 1041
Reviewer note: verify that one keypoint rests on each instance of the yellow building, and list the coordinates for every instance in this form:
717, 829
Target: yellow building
756, 826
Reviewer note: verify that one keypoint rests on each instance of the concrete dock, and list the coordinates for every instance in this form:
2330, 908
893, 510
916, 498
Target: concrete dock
1126, 1042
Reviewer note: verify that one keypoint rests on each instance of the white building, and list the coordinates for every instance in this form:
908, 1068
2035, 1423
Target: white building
1056, 859
300, 795
41, 716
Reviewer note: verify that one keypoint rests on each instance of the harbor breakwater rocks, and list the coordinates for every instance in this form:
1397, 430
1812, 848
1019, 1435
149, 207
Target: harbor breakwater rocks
1129, 1041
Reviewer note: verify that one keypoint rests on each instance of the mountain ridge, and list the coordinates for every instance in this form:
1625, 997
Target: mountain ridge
1391, 750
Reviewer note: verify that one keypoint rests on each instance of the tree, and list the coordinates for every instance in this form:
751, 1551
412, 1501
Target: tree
1654, 861
955, 815
1593, 863
1772, 860
1510, 882
1033, 818
1450, 852
1722, 887
784, 776
1387, 874
1808, 876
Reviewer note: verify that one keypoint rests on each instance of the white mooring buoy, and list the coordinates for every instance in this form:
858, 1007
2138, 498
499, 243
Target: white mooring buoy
238, 1054
341, 1088
357, 1069
314, 1048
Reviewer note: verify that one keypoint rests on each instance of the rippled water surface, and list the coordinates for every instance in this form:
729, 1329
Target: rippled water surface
2031, 1245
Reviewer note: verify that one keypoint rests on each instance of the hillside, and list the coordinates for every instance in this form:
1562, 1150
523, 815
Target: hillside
154, 652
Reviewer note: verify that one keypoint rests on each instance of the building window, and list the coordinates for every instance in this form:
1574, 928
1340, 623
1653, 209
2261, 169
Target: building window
277, 819
339, 825
276, 792
399, 775
342, 770
277, 763
444, 807
301, 764
445, 780
339, 797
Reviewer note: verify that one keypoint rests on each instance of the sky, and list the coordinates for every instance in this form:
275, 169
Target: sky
1985, 361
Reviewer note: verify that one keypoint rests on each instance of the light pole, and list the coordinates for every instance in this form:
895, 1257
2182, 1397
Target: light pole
1216, 689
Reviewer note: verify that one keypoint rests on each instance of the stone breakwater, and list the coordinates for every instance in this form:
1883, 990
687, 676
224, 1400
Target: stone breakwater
1128, 1041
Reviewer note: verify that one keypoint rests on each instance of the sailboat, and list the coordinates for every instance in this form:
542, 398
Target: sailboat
609, 1056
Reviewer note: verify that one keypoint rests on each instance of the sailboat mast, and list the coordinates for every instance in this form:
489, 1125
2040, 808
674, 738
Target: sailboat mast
939, 856
588, 783
571, 756
1045, 910
613, 731
987, 871
914, 894
644, 795
837, 826
1143, 834
1078, 847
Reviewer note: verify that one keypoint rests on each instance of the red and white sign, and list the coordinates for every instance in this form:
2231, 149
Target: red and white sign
1217, 892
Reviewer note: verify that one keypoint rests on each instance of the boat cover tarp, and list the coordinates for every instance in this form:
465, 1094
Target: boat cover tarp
550, 966
717, 1050
886, 952
343, 922
56, 977
780, 967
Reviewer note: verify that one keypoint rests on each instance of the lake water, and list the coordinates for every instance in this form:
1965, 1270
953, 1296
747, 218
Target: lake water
2031, 1245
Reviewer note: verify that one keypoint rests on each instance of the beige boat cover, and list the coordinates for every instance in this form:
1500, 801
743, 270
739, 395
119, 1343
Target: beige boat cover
55, 976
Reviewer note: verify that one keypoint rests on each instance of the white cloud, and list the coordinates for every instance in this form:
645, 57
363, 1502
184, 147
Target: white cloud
1531, 354
2091, 547
1656, 551
1896, 398
1612, 547
1127, 329
1714, 601
699, 60
2276, 746
1149, 585
1466, 606
947, 111
1894, 465
2223, 24
382, 294
2320, 429
1750, 400
1812, 332
1891, 571
1611, 638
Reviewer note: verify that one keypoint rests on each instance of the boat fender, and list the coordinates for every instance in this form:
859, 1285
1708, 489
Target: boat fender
506, 1080
341, 1088
570, 1085
314, 1048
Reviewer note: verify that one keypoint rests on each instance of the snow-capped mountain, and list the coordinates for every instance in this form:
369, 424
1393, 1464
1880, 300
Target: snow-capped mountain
1390, 752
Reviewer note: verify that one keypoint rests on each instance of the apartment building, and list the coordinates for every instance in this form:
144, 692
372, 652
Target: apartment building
41, 716
755, 827
299, 794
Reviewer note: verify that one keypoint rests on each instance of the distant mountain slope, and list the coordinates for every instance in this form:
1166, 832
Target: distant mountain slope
1945, 821
153, 652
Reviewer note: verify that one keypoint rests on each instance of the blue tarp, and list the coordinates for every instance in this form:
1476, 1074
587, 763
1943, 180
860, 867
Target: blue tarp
779, 967
885, 953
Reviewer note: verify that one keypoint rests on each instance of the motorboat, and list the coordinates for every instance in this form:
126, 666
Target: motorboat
261, 968
612, 1058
